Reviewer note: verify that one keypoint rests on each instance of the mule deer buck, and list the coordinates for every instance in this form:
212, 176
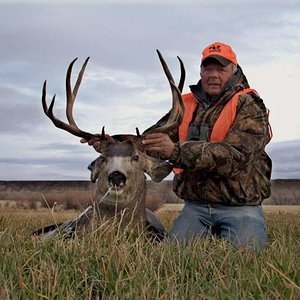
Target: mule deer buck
120, 169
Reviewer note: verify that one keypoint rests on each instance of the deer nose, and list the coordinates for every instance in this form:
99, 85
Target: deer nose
117, 179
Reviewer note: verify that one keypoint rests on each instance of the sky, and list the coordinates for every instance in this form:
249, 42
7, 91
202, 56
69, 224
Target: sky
124, 86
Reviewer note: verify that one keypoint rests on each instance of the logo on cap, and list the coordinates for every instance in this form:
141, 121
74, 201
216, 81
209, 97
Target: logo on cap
214, 48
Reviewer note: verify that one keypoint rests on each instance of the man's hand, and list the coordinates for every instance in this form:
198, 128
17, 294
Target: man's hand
92, 142
159, 142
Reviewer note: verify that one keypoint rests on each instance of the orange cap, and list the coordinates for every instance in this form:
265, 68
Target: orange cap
223, 53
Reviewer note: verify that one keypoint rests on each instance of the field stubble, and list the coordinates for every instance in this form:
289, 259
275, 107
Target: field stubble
109, 263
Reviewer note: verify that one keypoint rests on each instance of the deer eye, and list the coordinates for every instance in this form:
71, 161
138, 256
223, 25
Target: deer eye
135, 158
103, 159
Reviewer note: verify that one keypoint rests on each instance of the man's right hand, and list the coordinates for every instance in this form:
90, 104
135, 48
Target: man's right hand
159, 142
95, 142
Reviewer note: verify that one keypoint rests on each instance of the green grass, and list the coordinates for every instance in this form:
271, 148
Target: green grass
109, 263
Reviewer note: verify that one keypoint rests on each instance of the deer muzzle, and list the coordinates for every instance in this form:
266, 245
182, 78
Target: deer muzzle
117, 180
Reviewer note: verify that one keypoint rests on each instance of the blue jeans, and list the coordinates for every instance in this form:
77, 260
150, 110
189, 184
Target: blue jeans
242, 226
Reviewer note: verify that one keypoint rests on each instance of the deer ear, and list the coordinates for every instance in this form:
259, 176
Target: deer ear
94, 167
156, 168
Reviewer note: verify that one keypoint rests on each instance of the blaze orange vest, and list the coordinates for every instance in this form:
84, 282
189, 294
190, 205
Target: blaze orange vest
222, 124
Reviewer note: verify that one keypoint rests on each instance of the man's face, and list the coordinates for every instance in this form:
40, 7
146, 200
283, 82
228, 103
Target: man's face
214, 76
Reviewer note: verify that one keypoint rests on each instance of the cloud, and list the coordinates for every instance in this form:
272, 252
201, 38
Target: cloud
17, 109
286, 159
124, 86
144, 2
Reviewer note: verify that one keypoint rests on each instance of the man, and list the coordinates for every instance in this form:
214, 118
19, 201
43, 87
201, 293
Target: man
222, 172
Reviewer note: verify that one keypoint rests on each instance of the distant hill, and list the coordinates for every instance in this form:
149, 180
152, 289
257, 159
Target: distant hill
284, 192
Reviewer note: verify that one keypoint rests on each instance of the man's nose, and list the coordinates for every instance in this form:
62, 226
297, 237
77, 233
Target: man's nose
213, 74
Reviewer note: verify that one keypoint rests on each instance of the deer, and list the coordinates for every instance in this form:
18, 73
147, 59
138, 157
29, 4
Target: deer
120, 169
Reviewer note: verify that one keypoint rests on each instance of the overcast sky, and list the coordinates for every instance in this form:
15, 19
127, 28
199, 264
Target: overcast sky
124, 86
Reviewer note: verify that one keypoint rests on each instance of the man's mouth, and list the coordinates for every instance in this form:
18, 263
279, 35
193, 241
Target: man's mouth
214, 84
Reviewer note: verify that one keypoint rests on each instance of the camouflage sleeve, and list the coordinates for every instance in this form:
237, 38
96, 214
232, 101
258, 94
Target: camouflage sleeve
246, 138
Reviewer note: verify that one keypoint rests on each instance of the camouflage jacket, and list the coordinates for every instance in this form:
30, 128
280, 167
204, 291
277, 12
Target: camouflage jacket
235, 171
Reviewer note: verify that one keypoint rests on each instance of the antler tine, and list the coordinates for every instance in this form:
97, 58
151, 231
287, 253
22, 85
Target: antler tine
71, 127
71, 94
137, 132
45, 107
177, 110
165, 66
182, 76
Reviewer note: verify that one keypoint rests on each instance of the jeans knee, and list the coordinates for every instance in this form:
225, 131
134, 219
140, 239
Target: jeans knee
252, 237
186, 227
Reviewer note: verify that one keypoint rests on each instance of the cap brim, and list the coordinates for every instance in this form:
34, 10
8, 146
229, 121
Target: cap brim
223, 61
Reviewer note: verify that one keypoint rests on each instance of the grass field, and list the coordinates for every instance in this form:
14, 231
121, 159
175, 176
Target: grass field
110, 263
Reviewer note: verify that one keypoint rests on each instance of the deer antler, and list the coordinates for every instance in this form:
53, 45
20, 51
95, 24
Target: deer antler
177, 110
71, 96
174, 120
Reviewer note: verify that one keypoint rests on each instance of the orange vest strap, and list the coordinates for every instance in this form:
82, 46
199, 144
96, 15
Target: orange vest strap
227, 117
190, 105
222, 124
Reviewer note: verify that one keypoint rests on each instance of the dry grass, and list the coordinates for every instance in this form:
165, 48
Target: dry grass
64, 200
109, 263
